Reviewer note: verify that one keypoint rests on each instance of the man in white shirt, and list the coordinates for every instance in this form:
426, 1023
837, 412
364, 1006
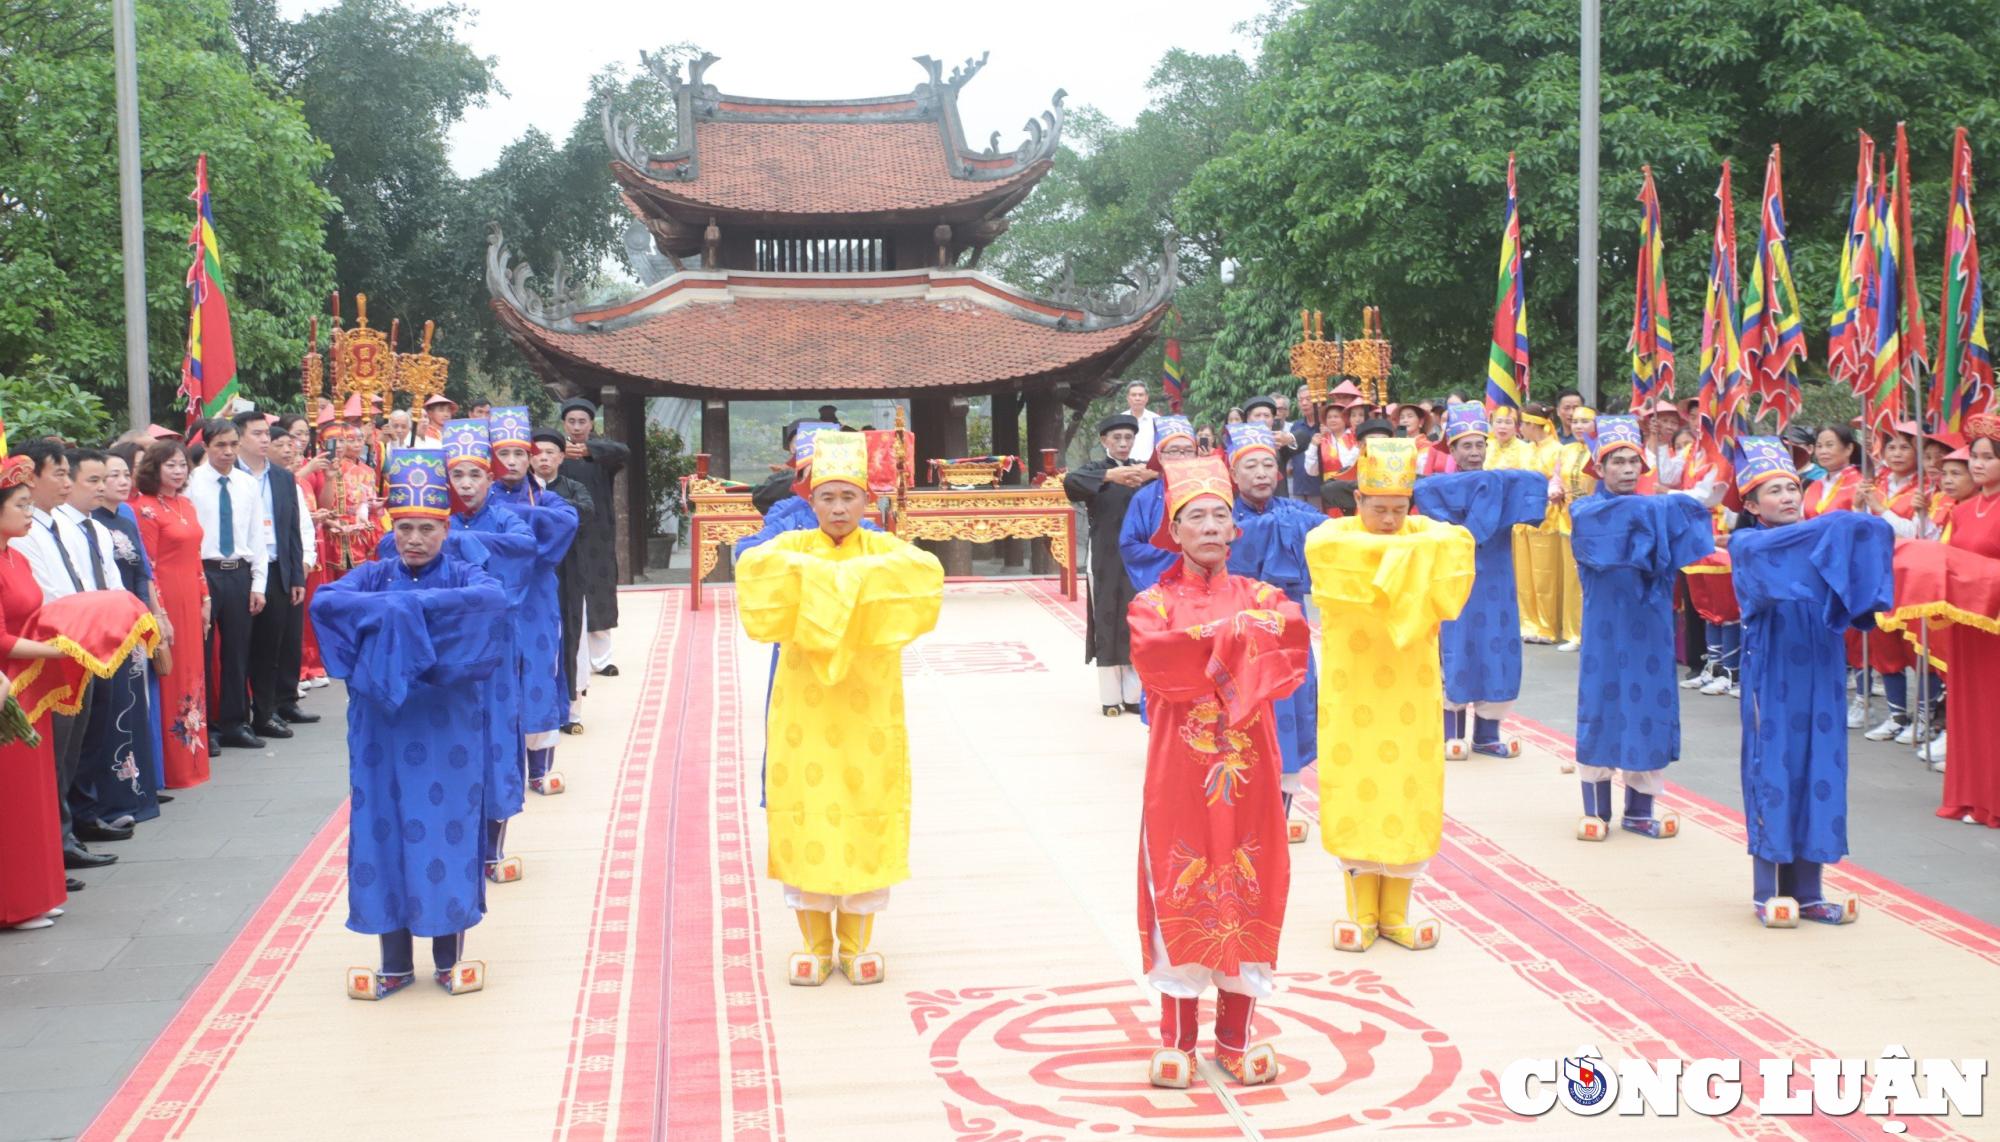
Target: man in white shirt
1136, 397
276, 631
235, 554
58, 550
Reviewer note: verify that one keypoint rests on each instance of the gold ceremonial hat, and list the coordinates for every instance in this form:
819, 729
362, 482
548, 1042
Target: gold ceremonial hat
840, 458
1388, 467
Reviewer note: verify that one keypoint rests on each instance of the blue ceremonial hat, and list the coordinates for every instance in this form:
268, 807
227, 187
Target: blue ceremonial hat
1246, 438
466, 440
1168, 426
417, 485
1465, 419
802, 440
510, 425
1761, 459
1615, 432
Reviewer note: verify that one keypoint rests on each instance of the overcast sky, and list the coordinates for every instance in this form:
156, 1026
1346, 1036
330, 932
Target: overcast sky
1101, 51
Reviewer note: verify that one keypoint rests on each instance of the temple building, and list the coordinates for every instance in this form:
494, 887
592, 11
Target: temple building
827, 249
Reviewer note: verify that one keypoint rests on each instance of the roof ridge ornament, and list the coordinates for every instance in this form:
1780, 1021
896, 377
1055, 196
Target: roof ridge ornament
509, 283
1150, 286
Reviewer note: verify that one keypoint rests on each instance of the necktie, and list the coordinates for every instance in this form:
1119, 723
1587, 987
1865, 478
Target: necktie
96, 554
74, 579
226, 515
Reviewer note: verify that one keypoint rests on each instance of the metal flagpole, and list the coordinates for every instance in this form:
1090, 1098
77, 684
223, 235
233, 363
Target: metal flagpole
1586, 234
131, 208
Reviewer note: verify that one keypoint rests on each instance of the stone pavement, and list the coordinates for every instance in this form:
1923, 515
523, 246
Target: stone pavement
80, 1002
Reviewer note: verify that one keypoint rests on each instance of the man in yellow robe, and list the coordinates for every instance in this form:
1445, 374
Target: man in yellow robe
1571, 479
1384, 579
842, 603
1537, 560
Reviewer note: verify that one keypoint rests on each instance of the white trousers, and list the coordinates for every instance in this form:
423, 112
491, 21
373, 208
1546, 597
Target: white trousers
858, 904
544, 740
1377, 868
1651, 781
1117, 685
599, 643
1491, 711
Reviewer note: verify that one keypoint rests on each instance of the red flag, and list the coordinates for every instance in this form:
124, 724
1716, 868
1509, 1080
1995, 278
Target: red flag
208, 371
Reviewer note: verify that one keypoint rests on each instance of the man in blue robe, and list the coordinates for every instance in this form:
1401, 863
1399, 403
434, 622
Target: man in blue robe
1628, 549
1481, 648
415, 637
1801, 586
1271, 547
553, 522
1173, 439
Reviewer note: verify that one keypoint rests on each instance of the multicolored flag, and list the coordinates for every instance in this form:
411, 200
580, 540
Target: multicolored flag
1774, 340
208, 372
1850, 339
1964, 382
1916, 339
1720, 388
1507, 359
1881, 392
1170, 374
1652, 343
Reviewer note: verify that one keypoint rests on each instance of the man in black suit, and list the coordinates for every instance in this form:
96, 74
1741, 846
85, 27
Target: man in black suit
273, 633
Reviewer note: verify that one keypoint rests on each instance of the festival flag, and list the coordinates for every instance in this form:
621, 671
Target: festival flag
1964, 366
1652, 343
1881, 394
1170, 374
1720, 388
208, 372
1848, 341
1916, 339
1507, 360
1774, 340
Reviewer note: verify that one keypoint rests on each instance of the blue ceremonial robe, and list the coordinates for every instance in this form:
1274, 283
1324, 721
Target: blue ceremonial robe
1801, 587
1628, 549
415, 649
553, 522
1481, 648
790, 514
1144, 563
1272, 548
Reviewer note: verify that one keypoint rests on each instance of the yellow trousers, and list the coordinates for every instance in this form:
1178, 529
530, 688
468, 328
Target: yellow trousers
1572, 593
1537, 581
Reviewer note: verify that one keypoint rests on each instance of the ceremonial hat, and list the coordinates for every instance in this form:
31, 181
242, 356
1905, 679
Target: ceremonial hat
418, 488
1117, 421
1241, 439
1914, 430
1614, 433
1388, 467
1185, 481
1761, 459
549, 435
1535, 418
837, 458
466, 440
577, 404
1959, 456
439, 399
15, 471
1261, 402
509, 425
1467, 419
1660, 407
156, 432
1343, 394
352, 409
1167, 427
1502, 412
802, 440
1375, 427
325, 415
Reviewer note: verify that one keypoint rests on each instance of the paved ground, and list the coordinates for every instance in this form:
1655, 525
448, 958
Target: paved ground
79, 1003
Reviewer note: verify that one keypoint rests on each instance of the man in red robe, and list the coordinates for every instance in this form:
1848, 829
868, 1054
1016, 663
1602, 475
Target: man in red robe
1212, 651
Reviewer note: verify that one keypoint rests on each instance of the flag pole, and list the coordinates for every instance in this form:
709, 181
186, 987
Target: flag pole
1586, 214
131, 205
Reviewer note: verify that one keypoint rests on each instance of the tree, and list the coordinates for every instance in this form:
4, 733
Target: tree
1372, 169
60, 265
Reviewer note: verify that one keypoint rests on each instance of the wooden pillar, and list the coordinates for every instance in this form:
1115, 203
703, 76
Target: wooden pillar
715, 442
1044, 431
1007, 442
625, 422
939, 423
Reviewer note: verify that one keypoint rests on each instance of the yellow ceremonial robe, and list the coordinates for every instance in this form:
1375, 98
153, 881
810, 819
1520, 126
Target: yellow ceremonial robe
837, 777
1570, 466
1381, 705
1535, 550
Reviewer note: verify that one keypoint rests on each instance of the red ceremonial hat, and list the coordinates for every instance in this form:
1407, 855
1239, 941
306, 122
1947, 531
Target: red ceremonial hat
1185, 481
352, 410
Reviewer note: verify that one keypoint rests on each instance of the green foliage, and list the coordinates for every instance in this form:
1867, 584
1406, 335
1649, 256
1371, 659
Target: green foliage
61, 285
1372, 167
38, 402
667, 461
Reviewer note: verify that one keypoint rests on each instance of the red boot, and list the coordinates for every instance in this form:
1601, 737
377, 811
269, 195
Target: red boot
1180, 1026
1249, 1065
